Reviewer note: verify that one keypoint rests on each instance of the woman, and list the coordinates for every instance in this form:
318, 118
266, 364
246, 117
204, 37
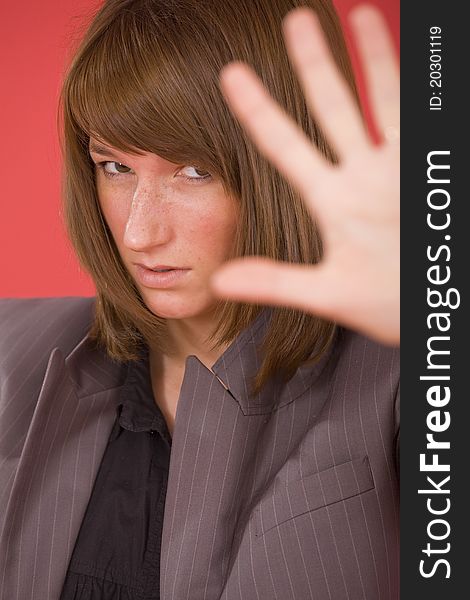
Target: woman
203, 431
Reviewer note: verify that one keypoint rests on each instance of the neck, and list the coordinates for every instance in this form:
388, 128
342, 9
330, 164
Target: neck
187, 337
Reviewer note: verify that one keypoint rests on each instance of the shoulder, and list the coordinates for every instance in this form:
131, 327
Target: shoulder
370, 367
18, 312
372, 359
30, 329
362, 366
33, 327
45, 307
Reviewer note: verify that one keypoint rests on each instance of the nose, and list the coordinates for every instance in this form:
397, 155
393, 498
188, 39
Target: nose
147, 224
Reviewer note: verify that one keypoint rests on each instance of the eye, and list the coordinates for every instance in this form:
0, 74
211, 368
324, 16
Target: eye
194, 173
113, 169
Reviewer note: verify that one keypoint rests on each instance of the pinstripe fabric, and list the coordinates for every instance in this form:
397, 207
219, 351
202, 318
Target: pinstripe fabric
289, 494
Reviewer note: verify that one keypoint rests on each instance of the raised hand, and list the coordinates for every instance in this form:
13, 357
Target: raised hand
355, 203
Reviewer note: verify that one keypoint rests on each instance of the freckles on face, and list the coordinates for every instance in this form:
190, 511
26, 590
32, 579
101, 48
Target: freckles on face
209, 231
159, 217
205, 231
197, 231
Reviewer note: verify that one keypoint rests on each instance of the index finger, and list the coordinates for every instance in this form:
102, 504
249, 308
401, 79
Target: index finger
275, 133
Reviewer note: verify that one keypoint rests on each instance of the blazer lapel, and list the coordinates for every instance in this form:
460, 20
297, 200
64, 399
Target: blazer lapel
63, 449
211, 456
220, 457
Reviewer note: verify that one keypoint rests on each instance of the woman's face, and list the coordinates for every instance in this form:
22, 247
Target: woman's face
166, 216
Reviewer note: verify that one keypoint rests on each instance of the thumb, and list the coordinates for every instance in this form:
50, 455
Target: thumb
265, 281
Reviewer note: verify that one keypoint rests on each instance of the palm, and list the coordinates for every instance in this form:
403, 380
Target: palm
360, 269
355, 203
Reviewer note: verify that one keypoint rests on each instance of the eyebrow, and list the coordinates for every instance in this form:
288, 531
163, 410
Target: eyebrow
101, 150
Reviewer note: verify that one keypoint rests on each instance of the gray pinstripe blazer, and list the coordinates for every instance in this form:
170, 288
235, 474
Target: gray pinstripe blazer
297, 489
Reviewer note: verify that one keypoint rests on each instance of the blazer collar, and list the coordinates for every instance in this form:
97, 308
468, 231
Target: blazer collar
92, 370
239, 364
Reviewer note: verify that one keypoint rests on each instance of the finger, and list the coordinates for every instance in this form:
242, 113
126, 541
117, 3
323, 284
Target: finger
276, 135
265, 281
312, 289
380, 68
327, 93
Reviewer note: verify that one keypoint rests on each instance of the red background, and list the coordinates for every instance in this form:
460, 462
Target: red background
35, 41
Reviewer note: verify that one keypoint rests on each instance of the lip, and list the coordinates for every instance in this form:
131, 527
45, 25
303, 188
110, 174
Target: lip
156, 266
152, 279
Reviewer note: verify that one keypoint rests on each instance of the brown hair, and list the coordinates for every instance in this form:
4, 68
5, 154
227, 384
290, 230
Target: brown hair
146, 79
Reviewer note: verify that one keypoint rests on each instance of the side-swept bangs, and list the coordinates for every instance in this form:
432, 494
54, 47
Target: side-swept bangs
142, 85
146, 79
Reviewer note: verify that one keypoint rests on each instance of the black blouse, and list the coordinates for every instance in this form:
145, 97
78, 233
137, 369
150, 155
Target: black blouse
117, 552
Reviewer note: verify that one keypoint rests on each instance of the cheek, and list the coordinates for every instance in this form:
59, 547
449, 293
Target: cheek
214, 231
115, 212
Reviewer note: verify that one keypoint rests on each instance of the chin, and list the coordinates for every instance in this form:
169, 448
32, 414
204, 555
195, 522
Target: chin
175, 308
